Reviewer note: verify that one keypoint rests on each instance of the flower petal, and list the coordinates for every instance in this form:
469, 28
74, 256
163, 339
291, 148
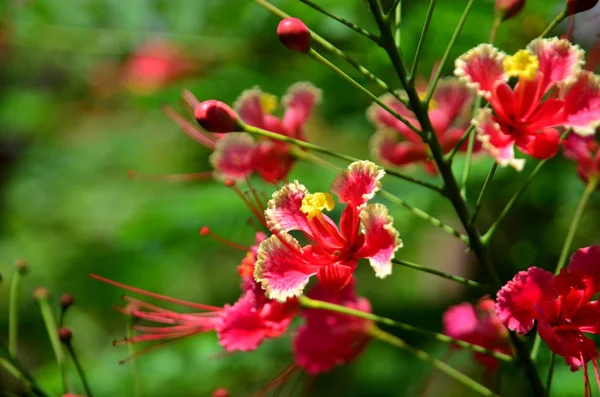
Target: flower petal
283, 210
233, 157
280, 268
249, 107
381, 118
454, 98
542, 145
336, 276
481, 67
559, 59
499, 145
381, 238
358, 184
517, 300
384, 147
240, 326
582, 103
273, 161
587, 260
460, 321
299, 101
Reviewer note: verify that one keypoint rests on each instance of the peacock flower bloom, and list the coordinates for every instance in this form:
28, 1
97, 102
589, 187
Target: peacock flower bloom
284, 267
329, 338
237, 155
479, 325
449, 114
552, 92
586, 152
562, 305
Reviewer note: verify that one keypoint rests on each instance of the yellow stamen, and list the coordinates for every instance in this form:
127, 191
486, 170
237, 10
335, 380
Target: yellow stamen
523, 64
432, 103
314, 204
268, 103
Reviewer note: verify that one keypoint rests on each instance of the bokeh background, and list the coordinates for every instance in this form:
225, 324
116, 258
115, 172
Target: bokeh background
76, 116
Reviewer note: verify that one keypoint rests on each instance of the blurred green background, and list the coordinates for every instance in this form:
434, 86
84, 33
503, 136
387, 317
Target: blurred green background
70, 131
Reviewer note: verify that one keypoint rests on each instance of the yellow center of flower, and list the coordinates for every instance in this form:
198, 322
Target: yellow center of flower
314, 204
268, 103
522, 64
432, 102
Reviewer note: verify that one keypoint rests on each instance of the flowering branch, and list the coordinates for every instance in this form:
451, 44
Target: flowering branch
317, 304
445, 275
440, 365
349, 24
16, 369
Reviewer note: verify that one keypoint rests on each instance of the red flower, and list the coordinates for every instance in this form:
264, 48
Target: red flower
329, 338
448, 108
552, 92
478, 325
586, 152
562, 305
365, 231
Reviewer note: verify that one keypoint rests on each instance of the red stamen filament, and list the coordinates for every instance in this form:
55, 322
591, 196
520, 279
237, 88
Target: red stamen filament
206, 232
157, 296
257, 199
189, 129
253, 209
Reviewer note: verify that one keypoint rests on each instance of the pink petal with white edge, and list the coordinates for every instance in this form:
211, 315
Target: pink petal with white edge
460, 321
358, 184
582, 103
454, 98
233, 157
480, 68
517, 301
280, 269
248, 106
499, 145
299, 102
559, 59
587, 260
283, 212
240, 326
381, 239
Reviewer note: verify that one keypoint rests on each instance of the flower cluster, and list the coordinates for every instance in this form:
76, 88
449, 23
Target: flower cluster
585, 151
552, 92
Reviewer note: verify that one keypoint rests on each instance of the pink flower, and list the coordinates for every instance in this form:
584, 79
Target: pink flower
562, 305
329, 338
365, 231
478, 325
586, 152
238, 155
449, 110
552, 92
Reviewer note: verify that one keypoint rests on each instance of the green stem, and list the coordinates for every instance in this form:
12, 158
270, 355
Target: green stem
488, 179
413, 70
395, 5
317, 304
455, 35
132, 362
450, 156
467, 168
383, 336
397, 27
555, 22
13, 314
349, 24
52, 330
335, 51
318, 57
425, 216
550, 374
449, 276
16, 369
589, 189
306, 145
80, 370
495, 26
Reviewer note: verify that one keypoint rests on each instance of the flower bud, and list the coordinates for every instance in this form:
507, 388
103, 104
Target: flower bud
220, 392
21, 265
41, 293
216, 116
577, 6
509, 8
65, 334
294, 34
66, 300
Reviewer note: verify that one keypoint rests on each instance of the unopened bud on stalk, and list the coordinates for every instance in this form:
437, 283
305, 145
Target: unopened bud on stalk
294, 34
216, 116
508, 8
66, 300
41, 293
65, 334
577, 6
22, 266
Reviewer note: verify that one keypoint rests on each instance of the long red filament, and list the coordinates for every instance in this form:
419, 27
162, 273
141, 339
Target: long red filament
222, 240
257, 199
156, 296
190, 130
255, 211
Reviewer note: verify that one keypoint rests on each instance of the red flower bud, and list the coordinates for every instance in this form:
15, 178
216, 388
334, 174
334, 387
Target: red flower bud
294, 34
509, 8
66, 300
577, 6
65, 334
216, 116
